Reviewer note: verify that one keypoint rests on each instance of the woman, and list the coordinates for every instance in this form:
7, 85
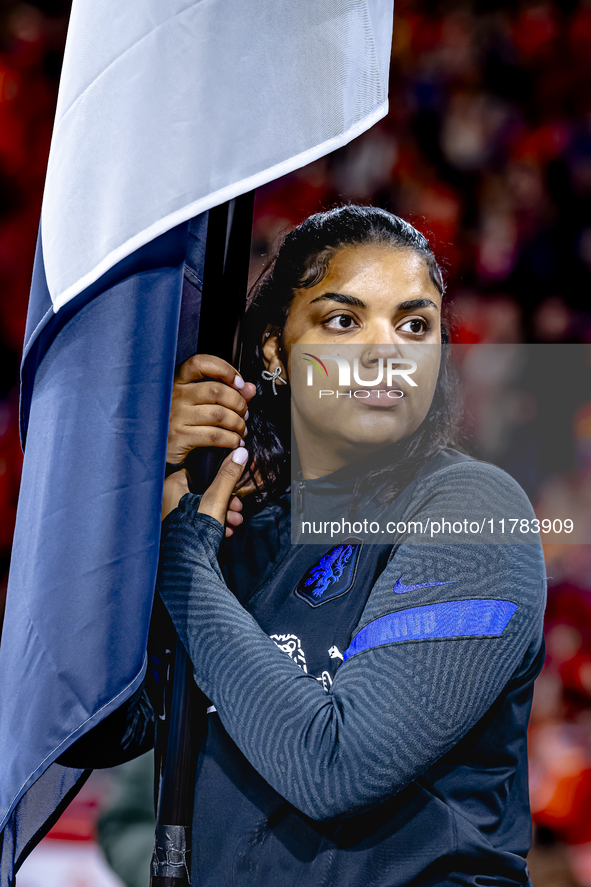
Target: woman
369, 702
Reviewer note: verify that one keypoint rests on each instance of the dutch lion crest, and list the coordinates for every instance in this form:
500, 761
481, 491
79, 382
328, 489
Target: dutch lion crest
329, 570
332, 576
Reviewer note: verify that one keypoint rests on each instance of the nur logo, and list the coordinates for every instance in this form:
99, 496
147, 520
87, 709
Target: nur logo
314, 362
390, 365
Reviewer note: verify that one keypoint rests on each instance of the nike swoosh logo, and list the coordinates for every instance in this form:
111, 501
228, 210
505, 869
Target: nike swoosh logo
399, 588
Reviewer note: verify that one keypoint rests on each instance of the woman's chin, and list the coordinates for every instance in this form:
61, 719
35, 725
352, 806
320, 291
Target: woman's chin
372, 439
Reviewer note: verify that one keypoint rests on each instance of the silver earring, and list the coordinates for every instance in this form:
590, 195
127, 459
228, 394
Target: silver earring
274, 377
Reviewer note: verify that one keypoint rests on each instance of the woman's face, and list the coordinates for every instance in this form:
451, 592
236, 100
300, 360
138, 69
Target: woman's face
375, 303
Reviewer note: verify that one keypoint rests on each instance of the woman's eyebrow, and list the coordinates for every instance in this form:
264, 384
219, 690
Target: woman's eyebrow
415, 303
354, 302
342, 298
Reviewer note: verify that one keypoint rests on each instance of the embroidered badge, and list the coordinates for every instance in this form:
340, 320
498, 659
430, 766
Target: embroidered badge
332, 576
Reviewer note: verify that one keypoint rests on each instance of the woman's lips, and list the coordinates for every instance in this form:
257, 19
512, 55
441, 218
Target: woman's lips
378, 396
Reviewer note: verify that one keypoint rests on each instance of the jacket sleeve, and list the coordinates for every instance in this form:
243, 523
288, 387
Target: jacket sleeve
423, 667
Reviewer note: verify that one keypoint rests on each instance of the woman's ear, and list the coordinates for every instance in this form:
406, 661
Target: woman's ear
272, 350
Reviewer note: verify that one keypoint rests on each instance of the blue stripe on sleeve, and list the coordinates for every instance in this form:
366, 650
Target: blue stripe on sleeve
451, 619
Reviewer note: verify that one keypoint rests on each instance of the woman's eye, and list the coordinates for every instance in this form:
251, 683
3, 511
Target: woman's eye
416, 326
340, 322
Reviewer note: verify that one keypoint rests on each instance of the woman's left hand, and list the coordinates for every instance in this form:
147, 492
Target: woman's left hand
217, 501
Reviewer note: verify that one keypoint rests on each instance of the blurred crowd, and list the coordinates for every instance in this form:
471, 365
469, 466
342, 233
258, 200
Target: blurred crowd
31, 47
487, 149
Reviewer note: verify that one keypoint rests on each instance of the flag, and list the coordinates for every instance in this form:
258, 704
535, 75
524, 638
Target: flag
164, 111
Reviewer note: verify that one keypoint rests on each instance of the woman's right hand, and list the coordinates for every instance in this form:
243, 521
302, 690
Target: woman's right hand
208, 413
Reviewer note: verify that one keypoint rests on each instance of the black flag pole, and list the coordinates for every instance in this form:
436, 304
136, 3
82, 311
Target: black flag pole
182, 724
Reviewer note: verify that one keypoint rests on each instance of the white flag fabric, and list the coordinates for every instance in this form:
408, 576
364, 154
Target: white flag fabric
169, 108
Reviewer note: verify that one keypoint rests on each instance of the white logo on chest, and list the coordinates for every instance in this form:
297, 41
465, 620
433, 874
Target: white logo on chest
335, 653
291, 645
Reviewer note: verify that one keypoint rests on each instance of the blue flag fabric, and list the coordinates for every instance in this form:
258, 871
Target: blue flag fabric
88, 526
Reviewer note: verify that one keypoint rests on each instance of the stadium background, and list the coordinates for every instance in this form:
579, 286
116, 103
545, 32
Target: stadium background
487, 149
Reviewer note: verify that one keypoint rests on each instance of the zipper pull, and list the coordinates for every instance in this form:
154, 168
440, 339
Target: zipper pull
301, 486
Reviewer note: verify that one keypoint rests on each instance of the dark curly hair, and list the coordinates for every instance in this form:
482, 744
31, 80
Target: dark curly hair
302, 261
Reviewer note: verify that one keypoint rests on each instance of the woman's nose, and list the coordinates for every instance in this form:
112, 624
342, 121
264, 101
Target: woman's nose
373, 352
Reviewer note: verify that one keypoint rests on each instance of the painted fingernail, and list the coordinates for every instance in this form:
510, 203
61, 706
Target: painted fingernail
240, 455
246, 416
241, 444
238, 382
245, 432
